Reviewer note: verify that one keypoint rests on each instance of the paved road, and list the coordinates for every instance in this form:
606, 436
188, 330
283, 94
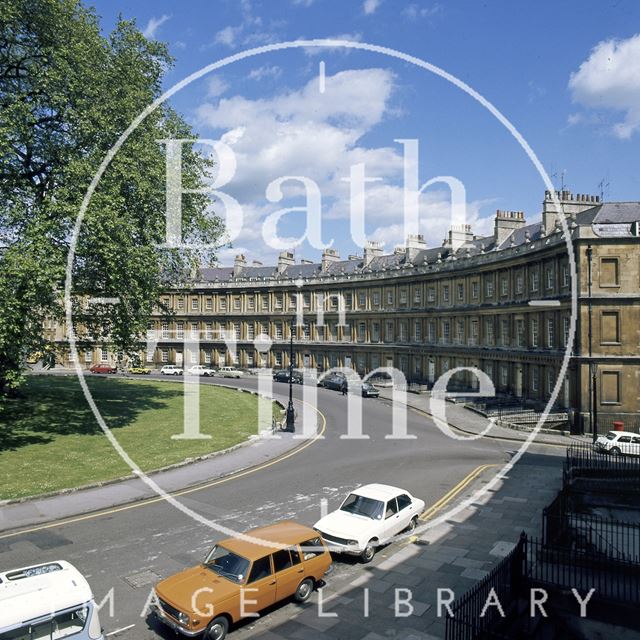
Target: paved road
129, 551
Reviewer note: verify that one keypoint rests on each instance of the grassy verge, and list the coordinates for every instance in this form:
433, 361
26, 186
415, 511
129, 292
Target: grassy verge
50, 440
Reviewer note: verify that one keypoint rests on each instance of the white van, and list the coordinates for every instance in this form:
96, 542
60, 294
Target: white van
47, 602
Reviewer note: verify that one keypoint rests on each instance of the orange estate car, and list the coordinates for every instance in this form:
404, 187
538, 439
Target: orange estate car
239, 578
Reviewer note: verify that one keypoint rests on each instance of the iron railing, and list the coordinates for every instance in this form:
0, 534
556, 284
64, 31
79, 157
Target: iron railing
506, 582
561, 568
565, 528
584, 461
531, 564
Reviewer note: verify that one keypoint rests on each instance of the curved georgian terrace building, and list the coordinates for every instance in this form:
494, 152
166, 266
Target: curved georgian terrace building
500, 303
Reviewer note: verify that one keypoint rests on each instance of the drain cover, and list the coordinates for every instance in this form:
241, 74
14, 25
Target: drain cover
142, 579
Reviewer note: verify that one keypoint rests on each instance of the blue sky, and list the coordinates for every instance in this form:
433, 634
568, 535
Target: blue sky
566, 74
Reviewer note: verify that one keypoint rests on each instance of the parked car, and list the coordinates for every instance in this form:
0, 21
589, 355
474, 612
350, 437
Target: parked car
229, 372
52, 600
619, 443
103, 368
367, 390
283, 376
201, 370
332, 381
171, 370
243, 577
139, 371
370, 516
381, 379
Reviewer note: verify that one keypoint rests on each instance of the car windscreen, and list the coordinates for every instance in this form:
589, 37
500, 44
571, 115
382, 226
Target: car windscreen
362, 506
227, 564
611, 435
61, 625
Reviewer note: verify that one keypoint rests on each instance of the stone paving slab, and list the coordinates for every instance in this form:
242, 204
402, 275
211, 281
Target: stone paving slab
454, 556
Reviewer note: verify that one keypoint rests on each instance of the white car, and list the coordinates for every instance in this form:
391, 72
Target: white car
619, 443
201, 370
370, 516
230, 372
171, 370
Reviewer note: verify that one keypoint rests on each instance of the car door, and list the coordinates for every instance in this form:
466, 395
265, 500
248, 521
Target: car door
392, 523
624, 444
260, 590
287, 565
316, 558
406, 510
634, 447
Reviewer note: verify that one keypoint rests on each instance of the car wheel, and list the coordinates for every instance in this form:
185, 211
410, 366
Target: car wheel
218, 628
369, 552
413, 524
616, 452
304, 590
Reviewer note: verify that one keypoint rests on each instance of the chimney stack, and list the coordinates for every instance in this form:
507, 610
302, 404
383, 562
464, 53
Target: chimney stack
506, 223
371, 250
328, 257
570, 205
285, 259
458, 235
239, 264
414, 245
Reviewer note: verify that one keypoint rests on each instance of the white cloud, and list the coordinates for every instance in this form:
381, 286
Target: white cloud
609, 80
216, 86
153, 25
265, 71
413, 11
228, 36
250, 32
302, 132
435, 214
370, 6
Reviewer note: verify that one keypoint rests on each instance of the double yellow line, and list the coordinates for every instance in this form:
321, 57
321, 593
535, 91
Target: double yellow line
454, 491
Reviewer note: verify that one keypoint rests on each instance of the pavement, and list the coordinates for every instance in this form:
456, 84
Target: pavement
453, 555
471, 423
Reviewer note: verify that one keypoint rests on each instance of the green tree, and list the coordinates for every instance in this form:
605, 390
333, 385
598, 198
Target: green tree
66, 95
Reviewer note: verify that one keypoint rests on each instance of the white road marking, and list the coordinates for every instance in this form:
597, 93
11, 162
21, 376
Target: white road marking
113, 633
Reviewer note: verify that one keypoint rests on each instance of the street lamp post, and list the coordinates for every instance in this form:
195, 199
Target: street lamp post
592, 374
291, 415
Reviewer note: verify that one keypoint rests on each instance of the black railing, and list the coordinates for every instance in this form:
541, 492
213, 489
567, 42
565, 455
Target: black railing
583, 461
531, 564
564, 569
565, 528
506, 581
630, 422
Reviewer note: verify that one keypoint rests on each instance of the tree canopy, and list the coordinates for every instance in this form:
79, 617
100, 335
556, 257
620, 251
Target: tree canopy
66, 95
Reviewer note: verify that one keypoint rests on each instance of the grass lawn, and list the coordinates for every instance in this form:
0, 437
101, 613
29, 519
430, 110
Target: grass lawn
50, 440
